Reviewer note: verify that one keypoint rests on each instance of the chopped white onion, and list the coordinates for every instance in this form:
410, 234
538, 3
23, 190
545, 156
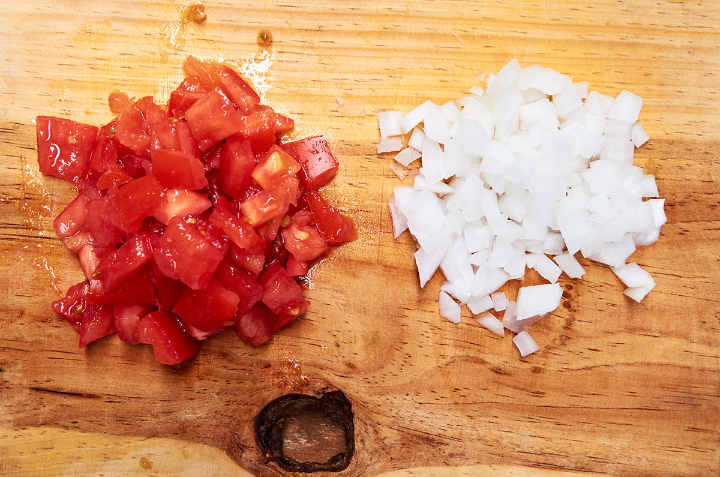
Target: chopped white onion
530, 167
491, 323
525, 343
448, 308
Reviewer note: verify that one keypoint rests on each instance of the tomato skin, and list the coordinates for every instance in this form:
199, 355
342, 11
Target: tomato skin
282, 295
175, 169
207, 309
212, 119
318, 163
226, 218
251, 260
240, 282
124, 262
64, 147
236, 88
275, 165
255, 327
179, 203
334, 227
171, 343
189, 252
127, 321
304, 242
71, 219
237, 162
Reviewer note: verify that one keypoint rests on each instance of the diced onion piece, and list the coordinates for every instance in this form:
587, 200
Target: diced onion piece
407, 156
639, 136
389, 123
627, 107
399, 221
499, 300
416, 139
538, 300
491, 323
479, 304
569, 264
389, 144
632, 275
639, 293
415, 117
525, 343
399, 170
545, 267
448, 308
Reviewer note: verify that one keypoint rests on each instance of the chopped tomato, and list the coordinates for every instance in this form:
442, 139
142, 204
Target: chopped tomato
123, 262
258, 126
64, 147
212, 119
179, 203
196, 68
185, 95
268, 231
189, 251
186, 143
104, 158
276, 253
275, 165
335, 228
237, 162
158, 125
212, 157
91, 321
134, 201
263, 206
227, 218
304, 242
127, 321
137, 289
251, 260
302, 217
282, 295
296, 268
99, 224
240, 282
318, 163
207, 309
283, 125
177, 169
72, 218
89, 261
77, 241
168, 290
131, 131
236, 88
171, 343
255, 327
111, 179
118, 101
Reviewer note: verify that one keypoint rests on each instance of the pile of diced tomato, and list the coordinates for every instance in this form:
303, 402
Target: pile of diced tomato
190, 216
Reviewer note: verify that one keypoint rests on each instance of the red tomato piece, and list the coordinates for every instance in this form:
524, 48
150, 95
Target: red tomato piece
296, 268
77, 241
276, 253
179, 203
131, 131
89, 261
251, 260
134, 201
237, 162
282, 295
127, 321
189, 251
104, 158
201, 335
283, 124
318, 163
111, 179
195, 67
72, 218
118, 101
124, 262
186, 143
158, 125
168, 291
276, 164
232, 224
138, 289
171, 343
256, 326
99, 225
64, 147
92, 322
176, 169
302, 217
240, 282
236, 88
304, 242
335, 228
269, 230
258, 126
212, 119
207, 309
263, 206
185, 95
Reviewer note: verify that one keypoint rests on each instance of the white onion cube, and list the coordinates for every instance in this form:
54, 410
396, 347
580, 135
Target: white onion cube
389, 123
525, 344
538, 300
448, 308
491, 323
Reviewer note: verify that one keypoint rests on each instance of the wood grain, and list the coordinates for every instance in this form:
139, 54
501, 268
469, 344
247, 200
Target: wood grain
618, 388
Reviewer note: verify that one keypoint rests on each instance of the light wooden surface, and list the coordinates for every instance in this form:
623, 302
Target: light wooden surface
618, 388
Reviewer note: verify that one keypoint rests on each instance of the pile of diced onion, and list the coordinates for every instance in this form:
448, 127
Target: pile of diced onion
527, 173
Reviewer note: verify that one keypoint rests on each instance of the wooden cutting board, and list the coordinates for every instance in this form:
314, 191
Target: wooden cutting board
618, 388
